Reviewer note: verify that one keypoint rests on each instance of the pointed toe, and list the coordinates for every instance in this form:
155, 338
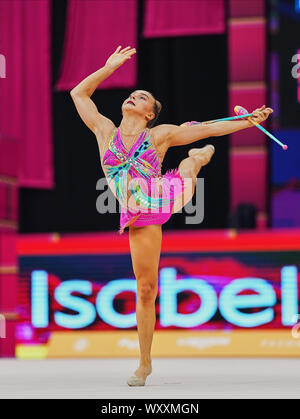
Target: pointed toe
135, 381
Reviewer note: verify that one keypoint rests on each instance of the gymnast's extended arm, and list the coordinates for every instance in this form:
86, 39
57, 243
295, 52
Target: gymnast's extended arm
192, 131
86, 108
81, 94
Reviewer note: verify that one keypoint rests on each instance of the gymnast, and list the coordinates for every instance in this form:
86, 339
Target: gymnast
131, 157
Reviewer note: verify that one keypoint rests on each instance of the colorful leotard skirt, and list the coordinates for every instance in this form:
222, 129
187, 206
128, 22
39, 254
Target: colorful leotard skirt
145, 195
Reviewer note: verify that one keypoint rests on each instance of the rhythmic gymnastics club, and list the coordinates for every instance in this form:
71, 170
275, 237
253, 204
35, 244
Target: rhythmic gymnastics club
239, 110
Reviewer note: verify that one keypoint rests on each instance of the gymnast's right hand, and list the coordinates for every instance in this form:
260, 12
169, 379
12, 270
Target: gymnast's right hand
119, 57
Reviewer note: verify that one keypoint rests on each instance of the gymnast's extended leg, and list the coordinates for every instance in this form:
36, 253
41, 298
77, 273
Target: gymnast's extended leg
189, 169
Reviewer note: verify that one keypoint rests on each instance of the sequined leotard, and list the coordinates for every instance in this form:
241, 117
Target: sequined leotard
145, 195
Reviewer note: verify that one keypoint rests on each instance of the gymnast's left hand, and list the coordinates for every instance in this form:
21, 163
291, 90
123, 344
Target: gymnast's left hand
261, 114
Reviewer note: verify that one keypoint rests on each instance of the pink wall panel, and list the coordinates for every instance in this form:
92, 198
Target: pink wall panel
247, 46
250, 98
248, 137
3, 200
246, 8
165, 18
248, 174
247, 77
7, 346
8, 236
8, 256
8, 157
8, 292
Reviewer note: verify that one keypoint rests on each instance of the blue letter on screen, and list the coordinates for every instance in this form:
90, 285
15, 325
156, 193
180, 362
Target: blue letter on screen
86, 311
170, 287
289, 295
39, 299
230, 302
105, 299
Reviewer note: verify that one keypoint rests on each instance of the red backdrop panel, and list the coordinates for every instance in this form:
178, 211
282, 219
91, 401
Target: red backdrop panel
94, 30
25, 99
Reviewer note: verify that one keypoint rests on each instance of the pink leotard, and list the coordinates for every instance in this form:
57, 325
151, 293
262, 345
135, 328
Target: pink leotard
136, 175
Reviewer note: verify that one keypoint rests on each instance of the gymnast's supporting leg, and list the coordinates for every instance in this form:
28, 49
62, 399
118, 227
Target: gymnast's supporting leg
189, 169
147, 241
145, 247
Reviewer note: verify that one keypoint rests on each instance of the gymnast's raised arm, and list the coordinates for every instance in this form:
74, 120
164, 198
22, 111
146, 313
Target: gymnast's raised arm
186, 134
81, 94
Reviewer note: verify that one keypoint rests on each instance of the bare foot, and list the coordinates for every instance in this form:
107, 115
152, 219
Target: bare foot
203, 154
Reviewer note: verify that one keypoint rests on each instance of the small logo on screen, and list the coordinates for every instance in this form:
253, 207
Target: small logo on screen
2, 67
2, 327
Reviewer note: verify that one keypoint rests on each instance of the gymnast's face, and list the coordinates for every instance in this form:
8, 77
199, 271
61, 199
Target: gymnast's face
142, 104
